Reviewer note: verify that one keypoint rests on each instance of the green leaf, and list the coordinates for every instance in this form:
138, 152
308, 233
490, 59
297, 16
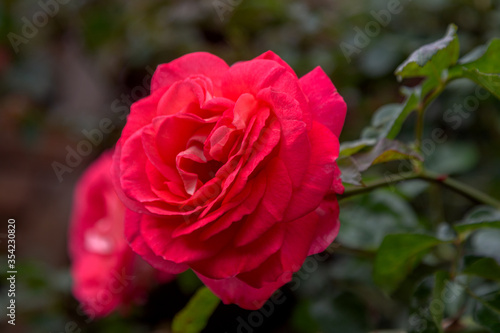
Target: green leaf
387, 213
388, 119
350, 173
351, 147
466, 227
483, 58
479, 218
487, 311
482, 66
385, 151
487, 268
482, 214
432, 59
491, 82
397, 256
420, 310
194, 317
437, 312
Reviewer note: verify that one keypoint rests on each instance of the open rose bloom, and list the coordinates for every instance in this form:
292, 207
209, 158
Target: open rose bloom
231, 171
106, 272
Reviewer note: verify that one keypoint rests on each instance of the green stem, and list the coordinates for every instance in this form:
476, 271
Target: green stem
342, 249
436, 212
459, 187
419, 129
459, 246
389, 180
422, 107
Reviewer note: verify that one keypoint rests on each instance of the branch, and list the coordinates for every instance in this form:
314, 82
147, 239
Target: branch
459, 187
389, 180
343, 249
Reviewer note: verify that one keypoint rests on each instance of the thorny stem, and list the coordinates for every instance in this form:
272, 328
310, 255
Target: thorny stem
392, 179
459, 187
455, 185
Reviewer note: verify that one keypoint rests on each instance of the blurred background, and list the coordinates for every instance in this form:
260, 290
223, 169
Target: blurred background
66, 65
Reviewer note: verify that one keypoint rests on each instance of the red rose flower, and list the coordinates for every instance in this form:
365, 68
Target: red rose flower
106, 272
231, 172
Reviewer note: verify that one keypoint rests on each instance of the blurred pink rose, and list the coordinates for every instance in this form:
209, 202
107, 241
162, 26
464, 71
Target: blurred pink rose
106, 272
